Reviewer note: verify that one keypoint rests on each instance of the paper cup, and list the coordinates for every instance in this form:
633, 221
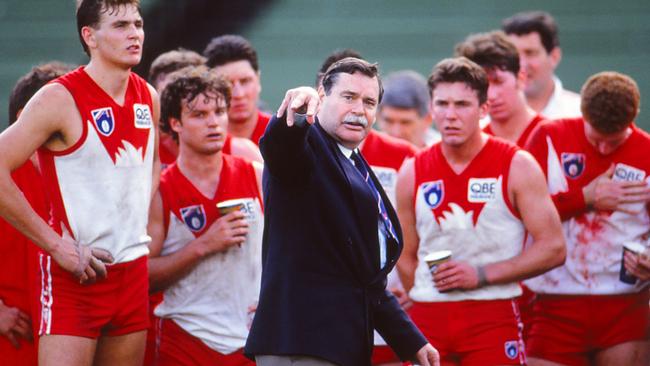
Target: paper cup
227, 207
636, 248
436, 258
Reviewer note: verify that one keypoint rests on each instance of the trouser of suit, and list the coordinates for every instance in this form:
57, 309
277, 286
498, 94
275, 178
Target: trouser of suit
270, 360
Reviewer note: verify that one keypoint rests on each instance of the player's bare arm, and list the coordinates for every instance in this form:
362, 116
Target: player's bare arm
165, 270
247, 149
528, 193
49, 119
259, 170
405, 191
156, 159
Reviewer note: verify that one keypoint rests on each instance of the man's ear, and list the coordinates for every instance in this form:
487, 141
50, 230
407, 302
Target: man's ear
175, 124
88, 35
556, 56
483, 109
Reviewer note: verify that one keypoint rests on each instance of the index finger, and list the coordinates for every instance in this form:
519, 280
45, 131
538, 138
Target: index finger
98, 268
103, 255
311, 109
283, 105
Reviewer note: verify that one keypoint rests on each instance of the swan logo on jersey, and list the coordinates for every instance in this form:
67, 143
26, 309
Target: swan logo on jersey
194, 217
433, 193
103, 118
142, 116
512, 350
573, 164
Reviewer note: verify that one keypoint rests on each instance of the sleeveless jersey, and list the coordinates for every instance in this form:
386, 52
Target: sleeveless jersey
385, 155
262, 121
521, 141
468, 213
594, 239
100, 188
211, 302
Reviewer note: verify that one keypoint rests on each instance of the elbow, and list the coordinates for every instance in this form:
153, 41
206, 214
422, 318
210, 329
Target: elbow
558, 252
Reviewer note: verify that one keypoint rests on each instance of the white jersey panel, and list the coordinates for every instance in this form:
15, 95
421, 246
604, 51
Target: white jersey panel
212, 301
498, 235
107, 203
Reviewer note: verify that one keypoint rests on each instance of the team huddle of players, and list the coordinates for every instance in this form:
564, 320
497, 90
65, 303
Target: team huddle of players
134, 211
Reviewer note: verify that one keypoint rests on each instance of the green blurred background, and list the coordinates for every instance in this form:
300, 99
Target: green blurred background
294, 36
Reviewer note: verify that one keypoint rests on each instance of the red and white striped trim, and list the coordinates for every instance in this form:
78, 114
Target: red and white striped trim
46, 294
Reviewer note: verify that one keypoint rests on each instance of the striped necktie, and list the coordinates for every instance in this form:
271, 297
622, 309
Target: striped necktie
360, 164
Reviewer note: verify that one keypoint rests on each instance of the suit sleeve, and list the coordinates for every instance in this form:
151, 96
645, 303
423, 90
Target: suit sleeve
396, 327
570, 202
286, 153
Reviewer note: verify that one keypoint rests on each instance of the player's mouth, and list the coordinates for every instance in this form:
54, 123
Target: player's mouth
134, 48
215, 136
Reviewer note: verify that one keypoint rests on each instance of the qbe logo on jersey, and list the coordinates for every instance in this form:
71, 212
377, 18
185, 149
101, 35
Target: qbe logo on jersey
142, 116
104, 120
626, 173
194, 217
573, 164
480, 190
433, 193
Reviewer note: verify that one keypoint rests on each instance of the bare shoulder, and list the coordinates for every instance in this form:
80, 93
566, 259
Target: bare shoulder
51, 110
525, 172
245, 148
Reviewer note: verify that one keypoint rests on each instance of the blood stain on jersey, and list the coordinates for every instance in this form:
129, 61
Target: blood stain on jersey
573, 164
194, 217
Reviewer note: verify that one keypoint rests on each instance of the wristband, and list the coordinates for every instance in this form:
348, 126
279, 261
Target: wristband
480, 272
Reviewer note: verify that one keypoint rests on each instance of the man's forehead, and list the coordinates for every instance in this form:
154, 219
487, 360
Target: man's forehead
458, 88
203, 100
120, 11
357, 83
532, 39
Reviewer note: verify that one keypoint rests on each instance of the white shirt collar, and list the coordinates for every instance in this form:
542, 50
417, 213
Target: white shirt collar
346, 152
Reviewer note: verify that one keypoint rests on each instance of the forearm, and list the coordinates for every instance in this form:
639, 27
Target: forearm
284, 148
16, 210
396, 328
406, 269
542, 256
166, 270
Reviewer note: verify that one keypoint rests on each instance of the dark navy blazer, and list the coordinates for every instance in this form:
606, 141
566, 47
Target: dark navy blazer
322, 290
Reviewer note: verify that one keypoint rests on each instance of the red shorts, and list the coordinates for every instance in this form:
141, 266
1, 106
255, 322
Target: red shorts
383, 354
114, 306
569, 329
151, 348
472, 332
525, 303
179, 348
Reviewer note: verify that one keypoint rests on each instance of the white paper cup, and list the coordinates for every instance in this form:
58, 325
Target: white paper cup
227, 207
436, 258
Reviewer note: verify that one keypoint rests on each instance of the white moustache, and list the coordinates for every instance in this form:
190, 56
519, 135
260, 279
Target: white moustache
356, 119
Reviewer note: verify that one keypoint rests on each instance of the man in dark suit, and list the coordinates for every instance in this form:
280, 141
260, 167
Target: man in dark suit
330, 233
